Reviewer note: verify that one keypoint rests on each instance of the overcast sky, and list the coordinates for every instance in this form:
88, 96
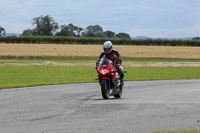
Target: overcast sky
152, 18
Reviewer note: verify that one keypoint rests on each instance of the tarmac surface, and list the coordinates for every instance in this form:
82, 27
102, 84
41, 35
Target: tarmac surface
145, 106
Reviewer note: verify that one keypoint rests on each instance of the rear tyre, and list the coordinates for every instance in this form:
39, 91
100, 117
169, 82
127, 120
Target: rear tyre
105, 91
119, 94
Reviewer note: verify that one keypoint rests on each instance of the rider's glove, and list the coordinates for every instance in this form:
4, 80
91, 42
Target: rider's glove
117, 66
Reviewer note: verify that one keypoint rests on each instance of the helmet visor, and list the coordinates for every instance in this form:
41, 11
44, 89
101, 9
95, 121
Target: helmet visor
107, 49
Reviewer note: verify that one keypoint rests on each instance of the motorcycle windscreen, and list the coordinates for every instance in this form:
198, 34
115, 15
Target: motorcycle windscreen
105, 62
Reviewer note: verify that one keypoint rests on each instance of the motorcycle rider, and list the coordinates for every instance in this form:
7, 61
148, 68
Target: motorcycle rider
114, 56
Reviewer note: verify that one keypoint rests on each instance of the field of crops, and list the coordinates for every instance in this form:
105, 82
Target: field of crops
93, 51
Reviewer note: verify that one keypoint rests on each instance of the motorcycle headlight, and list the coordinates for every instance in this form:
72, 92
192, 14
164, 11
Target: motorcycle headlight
104, 71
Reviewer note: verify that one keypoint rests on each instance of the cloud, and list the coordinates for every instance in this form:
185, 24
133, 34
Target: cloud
16, 27
154, 18
193, 31
195, 27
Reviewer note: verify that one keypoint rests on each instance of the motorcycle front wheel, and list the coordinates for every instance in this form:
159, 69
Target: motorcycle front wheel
105, 91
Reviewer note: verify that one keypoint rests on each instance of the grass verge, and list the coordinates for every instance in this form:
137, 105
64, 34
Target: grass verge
13, 76
78, 60
180, 132
161, 73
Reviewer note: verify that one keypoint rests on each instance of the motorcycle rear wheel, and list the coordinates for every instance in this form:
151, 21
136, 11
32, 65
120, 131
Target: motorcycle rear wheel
105, 91
119, 94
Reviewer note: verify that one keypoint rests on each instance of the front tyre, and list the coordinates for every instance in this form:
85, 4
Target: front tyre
105, 91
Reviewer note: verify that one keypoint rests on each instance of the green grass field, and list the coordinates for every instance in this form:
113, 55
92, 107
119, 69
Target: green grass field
17, 76
12, 77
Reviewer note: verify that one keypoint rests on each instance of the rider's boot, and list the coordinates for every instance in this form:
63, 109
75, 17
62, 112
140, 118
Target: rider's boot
121, 74
122, 79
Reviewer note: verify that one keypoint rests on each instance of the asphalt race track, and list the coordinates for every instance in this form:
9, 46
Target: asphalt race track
145, 106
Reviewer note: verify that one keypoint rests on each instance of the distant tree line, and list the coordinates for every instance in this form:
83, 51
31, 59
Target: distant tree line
2, 31
47, 26
196, 38
96, 41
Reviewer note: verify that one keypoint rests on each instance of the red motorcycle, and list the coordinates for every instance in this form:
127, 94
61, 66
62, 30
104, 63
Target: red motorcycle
109, 79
